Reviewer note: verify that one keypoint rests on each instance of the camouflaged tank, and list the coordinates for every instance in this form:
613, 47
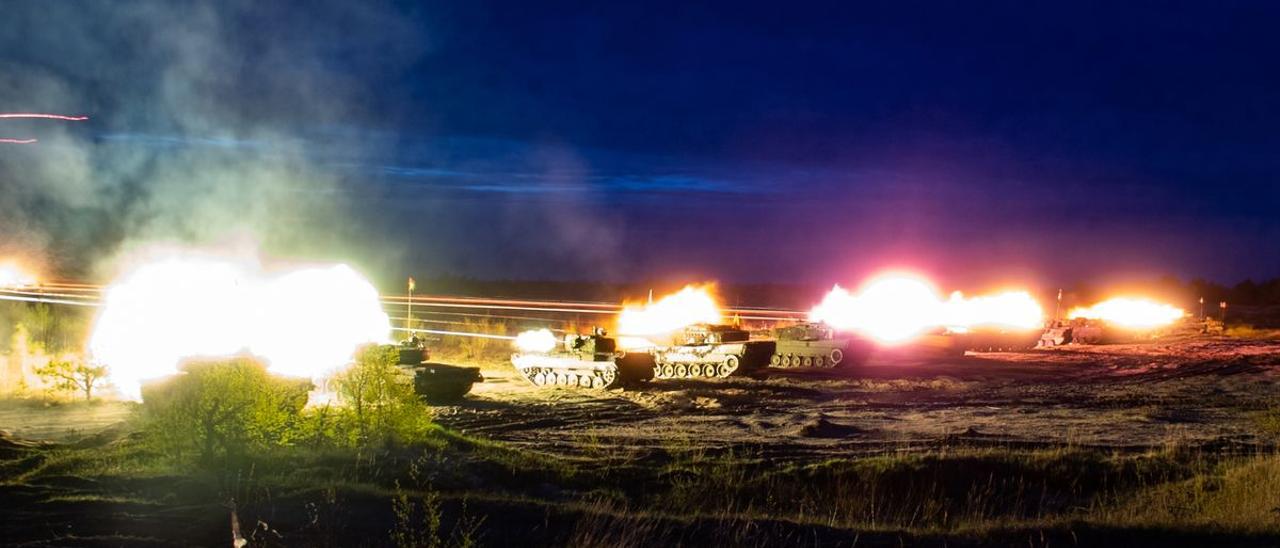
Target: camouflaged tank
1091, 331
436, 383
1077, 331
710, 351
584, 361
994, 339
938, 343
814, 345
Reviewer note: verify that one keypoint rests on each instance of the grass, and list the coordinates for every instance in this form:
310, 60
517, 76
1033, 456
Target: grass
1268, 421
1240, 495
1246, 331
453, 490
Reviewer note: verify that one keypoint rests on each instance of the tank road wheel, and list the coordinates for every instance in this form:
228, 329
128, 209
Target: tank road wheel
837, 356
819, 361
808, 361
786, 361
668, 371
775, 360
682, 370
695, 370
586, 381
729, 366
540, 379
710, 370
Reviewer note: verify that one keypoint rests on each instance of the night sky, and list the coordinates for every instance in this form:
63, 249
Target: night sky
979, 142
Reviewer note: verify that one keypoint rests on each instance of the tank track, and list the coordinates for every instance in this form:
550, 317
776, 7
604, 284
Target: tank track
550, 376
807, 360
571, 372
697, 370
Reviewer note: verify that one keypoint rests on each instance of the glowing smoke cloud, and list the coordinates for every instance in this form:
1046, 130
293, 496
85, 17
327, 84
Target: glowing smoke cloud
304, 323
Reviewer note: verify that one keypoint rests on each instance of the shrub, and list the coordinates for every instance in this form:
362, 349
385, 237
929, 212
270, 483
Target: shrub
379, 397
224, 408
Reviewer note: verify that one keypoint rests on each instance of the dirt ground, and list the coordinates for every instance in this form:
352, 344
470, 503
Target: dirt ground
1133, 396
1191, 393
1197, 392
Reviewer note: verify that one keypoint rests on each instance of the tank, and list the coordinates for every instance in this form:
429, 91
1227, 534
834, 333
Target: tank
435, 383
584, 361
1076, 331
934, 344
1090, 331
813, 345
991, 339
710, 351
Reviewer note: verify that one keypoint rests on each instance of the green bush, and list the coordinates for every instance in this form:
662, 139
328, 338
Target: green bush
379, 401
224, 408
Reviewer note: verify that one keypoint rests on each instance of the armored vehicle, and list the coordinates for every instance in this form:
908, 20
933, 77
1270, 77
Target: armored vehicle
436, 383
710, 351
585, 361
814, 345
1087, 331
1091, 331
992, 339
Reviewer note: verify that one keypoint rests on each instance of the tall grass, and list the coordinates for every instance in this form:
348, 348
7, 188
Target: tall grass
1240, 495
475, 349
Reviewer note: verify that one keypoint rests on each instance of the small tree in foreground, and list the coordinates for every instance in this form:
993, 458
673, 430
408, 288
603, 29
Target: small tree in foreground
73, 376
379, 398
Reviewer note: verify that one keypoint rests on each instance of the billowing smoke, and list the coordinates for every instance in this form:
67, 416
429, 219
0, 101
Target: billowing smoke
201, 119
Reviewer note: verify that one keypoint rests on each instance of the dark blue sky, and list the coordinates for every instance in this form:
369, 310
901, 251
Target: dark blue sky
806, 142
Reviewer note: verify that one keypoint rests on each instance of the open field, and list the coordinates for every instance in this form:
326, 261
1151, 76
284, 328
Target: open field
1122, 397
1154, 444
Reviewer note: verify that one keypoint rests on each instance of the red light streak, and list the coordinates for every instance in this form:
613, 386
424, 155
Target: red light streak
44, 116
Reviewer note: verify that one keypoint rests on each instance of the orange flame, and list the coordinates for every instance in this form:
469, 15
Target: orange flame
1130, 312
691, 305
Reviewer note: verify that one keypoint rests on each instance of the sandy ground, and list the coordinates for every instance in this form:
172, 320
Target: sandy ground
1198, 392
1133, 396
64, 422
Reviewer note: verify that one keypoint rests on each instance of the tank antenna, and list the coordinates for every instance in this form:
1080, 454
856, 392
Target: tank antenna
408, 320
